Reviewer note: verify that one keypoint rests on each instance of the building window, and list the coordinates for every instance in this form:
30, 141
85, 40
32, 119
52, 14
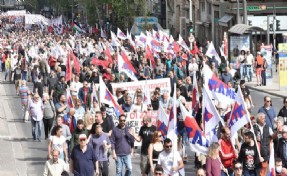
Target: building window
202, 4
209, 8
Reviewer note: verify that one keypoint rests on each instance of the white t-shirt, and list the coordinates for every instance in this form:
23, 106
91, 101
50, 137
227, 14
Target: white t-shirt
58, 143
75, 87
138, 108
249, 59
166, 160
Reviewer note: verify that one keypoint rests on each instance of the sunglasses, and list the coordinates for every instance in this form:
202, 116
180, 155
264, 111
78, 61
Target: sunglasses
168, 146
158, 173
83, 139
122, 120
159, 136
238, 168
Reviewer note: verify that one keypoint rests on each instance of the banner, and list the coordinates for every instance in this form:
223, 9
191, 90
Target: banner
36, 19
282, 47
131, 87
266, 51
237, 43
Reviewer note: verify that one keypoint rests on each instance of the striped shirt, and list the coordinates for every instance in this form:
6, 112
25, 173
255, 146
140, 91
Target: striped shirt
24, 91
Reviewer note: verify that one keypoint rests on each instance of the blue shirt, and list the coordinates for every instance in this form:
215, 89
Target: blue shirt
96, 142
270, 116
122, 141
83, 162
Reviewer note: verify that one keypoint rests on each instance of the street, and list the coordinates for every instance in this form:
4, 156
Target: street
19, 155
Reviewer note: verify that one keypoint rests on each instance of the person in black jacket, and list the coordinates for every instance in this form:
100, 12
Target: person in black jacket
281, 150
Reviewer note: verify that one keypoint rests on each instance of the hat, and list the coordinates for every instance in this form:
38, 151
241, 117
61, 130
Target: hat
284, 128
83, 136
258, 52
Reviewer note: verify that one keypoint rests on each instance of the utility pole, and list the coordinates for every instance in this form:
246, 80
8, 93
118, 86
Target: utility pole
268, 30
274, 19
73, 10
245, 12
212, 22
238, 13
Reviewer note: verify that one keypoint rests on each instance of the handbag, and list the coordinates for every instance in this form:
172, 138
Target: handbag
27, 114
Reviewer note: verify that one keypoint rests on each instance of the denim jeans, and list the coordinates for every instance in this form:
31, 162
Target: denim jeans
126, 160
242, 71
38, 125
24, 75
249, 72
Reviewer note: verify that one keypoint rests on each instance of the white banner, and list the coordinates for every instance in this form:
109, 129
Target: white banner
131, 87
36, 19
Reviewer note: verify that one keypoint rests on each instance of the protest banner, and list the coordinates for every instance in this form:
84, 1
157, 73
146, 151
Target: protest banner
131, 87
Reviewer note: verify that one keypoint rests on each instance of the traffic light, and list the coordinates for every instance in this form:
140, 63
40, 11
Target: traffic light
190, 27
278, 25
271, 27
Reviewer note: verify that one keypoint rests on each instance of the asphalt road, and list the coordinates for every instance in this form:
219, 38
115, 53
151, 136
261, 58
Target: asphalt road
19, 155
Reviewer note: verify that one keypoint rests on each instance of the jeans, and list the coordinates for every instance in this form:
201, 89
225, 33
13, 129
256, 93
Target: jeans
126, 160
104, 168
48, 123
242, 71
24, 75
263, 76
38, 125
249, 72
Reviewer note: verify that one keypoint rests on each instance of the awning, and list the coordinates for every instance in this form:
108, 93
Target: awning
243, 28
224, 20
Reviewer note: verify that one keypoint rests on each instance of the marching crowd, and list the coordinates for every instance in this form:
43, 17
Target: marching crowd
85, 135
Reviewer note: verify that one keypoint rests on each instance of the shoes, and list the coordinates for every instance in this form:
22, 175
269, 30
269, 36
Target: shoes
39, 140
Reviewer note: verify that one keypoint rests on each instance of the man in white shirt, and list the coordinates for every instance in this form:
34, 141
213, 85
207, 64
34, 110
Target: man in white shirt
35, 108
56, 166
75, 86
139, 106
249, 65
192, 67
170, 159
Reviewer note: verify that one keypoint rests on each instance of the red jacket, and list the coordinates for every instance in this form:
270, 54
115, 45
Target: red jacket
227, 153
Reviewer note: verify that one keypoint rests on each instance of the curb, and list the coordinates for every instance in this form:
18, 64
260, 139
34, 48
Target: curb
266, 91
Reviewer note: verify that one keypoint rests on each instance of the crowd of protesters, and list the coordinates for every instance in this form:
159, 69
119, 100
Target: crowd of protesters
85, 135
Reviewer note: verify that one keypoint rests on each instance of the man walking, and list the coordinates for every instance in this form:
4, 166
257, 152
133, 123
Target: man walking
55, 166
170, 159
36, 111
24, 92
122, 142
83, 161
145, 136
269, 112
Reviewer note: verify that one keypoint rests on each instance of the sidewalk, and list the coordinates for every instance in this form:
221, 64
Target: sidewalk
272, 87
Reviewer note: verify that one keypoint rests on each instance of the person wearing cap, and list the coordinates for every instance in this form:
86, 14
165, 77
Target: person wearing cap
100, 142
83, 159
122, 143
281, 149
77, 133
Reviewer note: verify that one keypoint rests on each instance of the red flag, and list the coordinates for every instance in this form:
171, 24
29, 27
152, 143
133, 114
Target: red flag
77, 64
69, 68
148, 55
194, 50
98, 62
128, 62
176, 47
108, 54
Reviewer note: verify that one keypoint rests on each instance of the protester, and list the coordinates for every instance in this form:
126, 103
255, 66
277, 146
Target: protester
269, 112
249, 156
100, 142
55, 165
146, 135
58, 141
279, 168
154, 149
170, 160
122, 144
77, 133
35, 108
200, 172
213, 165
49, 113
83, 159
24, 93
283, 111
237, 169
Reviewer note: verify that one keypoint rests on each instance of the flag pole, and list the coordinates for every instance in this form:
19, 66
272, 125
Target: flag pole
251, 126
